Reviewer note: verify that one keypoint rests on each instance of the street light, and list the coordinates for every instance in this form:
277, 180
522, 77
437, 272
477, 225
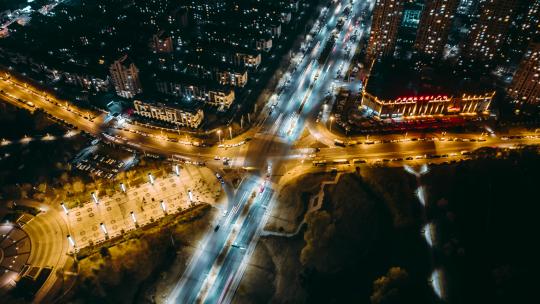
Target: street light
151, 178
230, 132
123, 187
190, 196
94, 196
103, 228
163, 207
133, 218
64, 207
219, 135
331, 121
177, 169
71, 241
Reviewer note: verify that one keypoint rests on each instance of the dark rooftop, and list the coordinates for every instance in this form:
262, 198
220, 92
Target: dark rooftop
391, 79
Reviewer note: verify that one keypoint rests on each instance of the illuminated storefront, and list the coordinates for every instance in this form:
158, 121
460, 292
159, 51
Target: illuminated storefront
430, 105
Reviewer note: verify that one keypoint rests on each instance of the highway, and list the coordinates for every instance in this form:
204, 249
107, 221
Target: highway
217, 278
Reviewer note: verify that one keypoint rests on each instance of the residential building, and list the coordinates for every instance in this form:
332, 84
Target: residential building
525, 86
162, 43
125, 77
435, 23
489, 33
169, 113
384, 28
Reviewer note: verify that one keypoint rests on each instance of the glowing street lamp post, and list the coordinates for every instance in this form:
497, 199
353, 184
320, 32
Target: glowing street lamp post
94, 196
219, 135
71, 241
331, 121
64, 207
134, 219
163, 207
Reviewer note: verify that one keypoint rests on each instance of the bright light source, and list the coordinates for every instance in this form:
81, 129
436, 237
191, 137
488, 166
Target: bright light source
133, 217
64, 207
71, 241
103, 228
190, 196
123, 187
429, 233
421, 194
436, 283
94, 196
163, 207
177, 170
151, 178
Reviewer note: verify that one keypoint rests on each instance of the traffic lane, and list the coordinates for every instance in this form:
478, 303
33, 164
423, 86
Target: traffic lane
194, 277
236, 255
425, 148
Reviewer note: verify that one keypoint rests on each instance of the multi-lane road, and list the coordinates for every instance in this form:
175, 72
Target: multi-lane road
217, 266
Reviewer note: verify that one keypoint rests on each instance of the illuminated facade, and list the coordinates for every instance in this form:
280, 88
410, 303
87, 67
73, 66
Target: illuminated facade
425, 106
125, 77
159, 111
384, 28
490, 32
525, 87
434, 27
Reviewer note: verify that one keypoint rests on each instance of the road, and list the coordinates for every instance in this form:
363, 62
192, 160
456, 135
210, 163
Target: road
218, 274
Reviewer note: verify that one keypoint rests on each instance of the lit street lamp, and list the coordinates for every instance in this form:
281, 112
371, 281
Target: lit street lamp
64, 207
133, 218
163, 207
71, 241
219, 135
177, 170
123, 187
230, 132
94, 196
103, 228
331, 121
151, 178
190, 196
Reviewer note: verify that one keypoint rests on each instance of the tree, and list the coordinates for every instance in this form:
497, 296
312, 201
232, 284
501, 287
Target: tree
391, 288
320, 231
78, 186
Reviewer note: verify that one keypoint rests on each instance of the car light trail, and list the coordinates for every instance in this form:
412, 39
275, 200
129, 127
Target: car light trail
421, 195
429, 233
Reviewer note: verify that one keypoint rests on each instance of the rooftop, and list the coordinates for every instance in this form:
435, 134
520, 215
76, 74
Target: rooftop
191, 106
391, 79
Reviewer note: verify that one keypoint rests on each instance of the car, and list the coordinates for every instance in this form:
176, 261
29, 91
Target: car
217, 157
409, 158
216, 228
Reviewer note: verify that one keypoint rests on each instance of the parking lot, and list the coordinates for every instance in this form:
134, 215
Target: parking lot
114, 215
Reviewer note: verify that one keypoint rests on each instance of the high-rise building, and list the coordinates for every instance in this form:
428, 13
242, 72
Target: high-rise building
384, 28
125, 77
162, 43
412, 10
530, 26
525, 87
435, 24
489, 33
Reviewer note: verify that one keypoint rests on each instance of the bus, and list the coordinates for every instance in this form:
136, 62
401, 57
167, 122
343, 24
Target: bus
319, 163
338, 142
